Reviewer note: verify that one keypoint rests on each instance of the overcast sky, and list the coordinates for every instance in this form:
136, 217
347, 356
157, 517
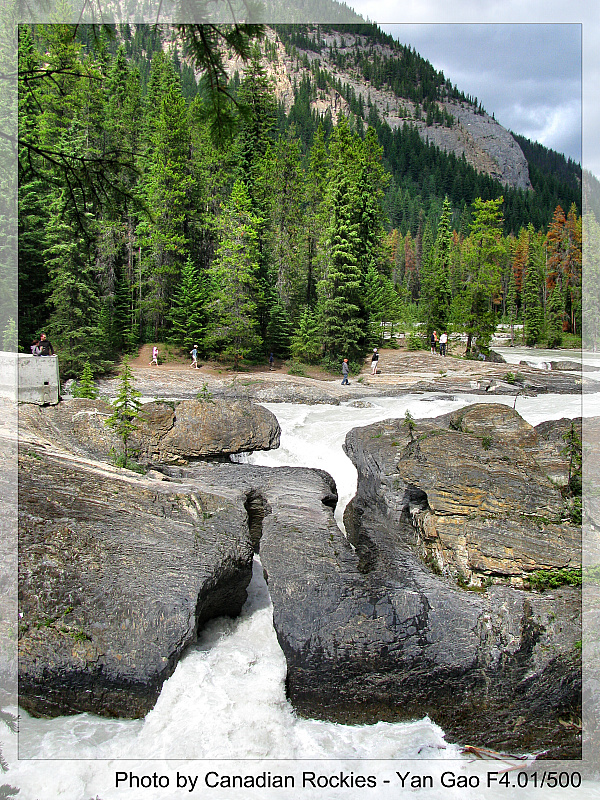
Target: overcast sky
522, 60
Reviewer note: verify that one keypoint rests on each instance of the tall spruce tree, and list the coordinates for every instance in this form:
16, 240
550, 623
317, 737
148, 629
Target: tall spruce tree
485, 250
441, 296
235, 331
189, 314
340, 289
533, 312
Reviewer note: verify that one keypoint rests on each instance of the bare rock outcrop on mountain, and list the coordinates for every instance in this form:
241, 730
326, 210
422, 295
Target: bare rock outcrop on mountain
485, 144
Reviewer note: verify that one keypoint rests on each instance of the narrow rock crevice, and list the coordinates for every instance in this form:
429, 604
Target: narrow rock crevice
256, 507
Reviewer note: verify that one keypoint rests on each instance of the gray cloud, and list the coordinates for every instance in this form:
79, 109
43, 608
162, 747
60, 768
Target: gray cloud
527, 75
521, 58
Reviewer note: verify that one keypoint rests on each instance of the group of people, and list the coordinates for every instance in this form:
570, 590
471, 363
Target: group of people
42, 346
443, 341
346, 367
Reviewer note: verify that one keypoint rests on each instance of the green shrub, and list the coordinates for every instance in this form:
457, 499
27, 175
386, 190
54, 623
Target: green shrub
294, 367
415, 341
544, 579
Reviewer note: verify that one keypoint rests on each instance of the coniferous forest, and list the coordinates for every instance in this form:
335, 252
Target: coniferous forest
163, 199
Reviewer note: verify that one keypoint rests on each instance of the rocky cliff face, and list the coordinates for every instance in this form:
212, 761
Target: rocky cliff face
485, 144
474, 488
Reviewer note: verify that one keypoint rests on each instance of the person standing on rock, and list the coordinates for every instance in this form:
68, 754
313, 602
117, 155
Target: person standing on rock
434, 340
345, 372
154, 356
443, 342
374, 361
194, 355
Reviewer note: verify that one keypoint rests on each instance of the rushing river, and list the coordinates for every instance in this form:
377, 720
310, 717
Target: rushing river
224, 710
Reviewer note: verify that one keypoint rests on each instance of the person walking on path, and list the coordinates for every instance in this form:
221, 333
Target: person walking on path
154, 356
345, 372
374, 361
194, 355
443, 341
271, 361
45, 347
434, 340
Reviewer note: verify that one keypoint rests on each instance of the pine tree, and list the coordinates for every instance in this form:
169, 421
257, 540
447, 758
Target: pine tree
485, 251
554, 317
233, 278
189, 315
511, 304
278, 329
74, 319
439, 304
126, 412
533, 313
340, 289
86, 387
168, 187
306, 341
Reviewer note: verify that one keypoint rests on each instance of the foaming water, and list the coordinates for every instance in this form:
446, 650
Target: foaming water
226, 698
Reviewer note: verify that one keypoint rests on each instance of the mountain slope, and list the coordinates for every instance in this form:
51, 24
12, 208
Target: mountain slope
361, 70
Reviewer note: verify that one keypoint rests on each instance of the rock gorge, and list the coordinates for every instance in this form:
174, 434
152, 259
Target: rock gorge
119, 571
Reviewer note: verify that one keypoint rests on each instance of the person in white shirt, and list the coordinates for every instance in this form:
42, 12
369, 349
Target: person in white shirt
443, 342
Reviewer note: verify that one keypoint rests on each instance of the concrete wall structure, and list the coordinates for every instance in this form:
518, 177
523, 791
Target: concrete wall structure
39, 380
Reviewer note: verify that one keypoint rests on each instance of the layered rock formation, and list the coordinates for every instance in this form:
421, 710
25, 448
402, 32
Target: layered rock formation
380, 634
476, 487
165, 432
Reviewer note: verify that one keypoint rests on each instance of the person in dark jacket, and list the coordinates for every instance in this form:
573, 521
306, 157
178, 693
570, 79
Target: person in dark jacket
345, 371
374, 362
45, 346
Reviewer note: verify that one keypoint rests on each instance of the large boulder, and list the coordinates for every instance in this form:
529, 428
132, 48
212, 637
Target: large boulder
117, 572
165, 432
382, 630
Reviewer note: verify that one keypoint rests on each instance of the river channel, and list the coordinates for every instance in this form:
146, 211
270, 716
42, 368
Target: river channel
224, 710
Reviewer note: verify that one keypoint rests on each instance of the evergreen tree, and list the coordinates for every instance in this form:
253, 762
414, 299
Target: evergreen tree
306, 340
74, 318
340, 289
533, 313
126, 412
511, 304
189, 315
278, 329
233, 278
315, 213
554, 317
439, 304
168, 187
485, 250
85, 386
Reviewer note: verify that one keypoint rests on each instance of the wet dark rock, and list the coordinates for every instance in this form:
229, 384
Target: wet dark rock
117, 572
384, 632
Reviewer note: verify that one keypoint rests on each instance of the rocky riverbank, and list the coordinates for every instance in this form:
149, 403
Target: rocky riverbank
401, 372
